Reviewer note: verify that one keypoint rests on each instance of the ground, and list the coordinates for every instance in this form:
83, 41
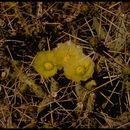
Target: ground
28, 100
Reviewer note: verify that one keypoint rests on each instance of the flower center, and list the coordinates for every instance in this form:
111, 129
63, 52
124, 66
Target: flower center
66, 58
48, 66
80, 70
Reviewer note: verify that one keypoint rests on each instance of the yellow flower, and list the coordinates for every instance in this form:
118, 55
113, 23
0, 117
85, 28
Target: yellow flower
44, 63
66, 52
69, 56
80, 70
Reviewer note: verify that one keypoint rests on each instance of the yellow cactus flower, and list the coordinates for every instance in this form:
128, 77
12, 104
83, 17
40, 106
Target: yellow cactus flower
44, 63
69, 56
66, 52
80, 70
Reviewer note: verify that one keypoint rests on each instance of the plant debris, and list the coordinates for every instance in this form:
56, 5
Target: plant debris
30, 100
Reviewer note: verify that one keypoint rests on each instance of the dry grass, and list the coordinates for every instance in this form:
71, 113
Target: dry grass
30, 101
